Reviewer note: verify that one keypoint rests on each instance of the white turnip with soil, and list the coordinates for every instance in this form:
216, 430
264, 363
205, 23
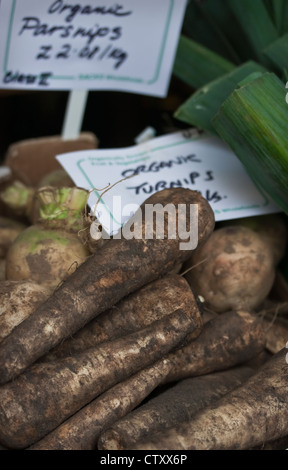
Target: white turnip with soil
48, 251
9, 230
234, 269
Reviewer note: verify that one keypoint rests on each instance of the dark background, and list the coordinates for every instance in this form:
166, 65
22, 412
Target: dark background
116, 118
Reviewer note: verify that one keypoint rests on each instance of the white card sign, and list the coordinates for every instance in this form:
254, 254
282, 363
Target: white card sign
92, 45
182, 159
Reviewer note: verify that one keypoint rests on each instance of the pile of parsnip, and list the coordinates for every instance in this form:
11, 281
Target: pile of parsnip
135, 343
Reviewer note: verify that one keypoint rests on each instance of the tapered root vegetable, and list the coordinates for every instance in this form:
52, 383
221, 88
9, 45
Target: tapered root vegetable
43, 396
257, 361
227, 340
137, 310
122, 267
230, 339
253, 413
173, 406
82, 430
277, 444
18, 299
234, 269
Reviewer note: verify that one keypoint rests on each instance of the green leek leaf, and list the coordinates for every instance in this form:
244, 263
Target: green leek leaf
199, 109
253, 122
278, 54
256, 23
195, 64
207, 23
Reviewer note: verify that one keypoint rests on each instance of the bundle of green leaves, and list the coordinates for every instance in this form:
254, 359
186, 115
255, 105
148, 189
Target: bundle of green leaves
233, 54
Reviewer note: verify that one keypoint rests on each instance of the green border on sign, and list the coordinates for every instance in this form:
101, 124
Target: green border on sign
94, 77
162, 147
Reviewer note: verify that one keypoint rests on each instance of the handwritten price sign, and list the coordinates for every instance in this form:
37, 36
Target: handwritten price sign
56, 44
182, 159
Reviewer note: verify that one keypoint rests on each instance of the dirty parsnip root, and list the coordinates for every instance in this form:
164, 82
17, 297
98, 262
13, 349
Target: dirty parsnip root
173, 406
46, 394
18, 300
137, 310
227, 340
198, 357
250, 415
82, 430
121, 267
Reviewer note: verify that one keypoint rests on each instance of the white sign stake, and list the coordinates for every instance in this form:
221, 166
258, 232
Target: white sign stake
74, 114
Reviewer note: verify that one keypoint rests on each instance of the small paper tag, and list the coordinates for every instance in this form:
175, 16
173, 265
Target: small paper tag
128, 176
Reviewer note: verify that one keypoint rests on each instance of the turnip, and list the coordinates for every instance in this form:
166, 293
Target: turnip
234, 269
18, 199
49, 251
57, 178
21, 200
272, 228
9, 230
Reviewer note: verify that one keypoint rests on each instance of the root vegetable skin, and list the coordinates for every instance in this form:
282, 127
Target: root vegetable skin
149, 303
44, 256
9, 230
120, 268
234, 269
82, 430
171, 407
50, 250
18, 300
58, 178
272, 229
45, 395
230, 339
253, 413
